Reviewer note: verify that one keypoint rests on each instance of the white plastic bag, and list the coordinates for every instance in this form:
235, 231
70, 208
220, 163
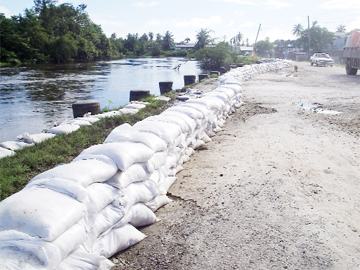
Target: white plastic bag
6, 152
157, 202
63, 129
35, 138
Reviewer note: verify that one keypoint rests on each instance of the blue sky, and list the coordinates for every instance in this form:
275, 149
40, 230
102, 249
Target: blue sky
224, 17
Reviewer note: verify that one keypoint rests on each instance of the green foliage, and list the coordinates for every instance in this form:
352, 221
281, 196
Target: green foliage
320, 38
263, 48
16, 171
214, 58
203, 38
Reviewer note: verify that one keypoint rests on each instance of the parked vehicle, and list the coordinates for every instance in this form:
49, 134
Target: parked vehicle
351, 53
321, 59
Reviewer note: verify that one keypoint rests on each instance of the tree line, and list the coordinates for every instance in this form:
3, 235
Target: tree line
50, 33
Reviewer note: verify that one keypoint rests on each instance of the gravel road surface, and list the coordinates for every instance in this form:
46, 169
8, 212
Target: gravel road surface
277, 188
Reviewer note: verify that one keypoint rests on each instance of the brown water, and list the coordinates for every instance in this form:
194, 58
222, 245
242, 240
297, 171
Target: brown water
33, 98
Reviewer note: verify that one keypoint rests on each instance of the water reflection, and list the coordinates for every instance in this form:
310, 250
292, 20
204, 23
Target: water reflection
32, 98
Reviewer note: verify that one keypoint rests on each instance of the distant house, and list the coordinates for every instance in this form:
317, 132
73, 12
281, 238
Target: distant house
245, 50
186, 46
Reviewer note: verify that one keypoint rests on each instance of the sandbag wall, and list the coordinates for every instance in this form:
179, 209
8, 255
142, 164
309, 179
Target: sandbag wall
77, 215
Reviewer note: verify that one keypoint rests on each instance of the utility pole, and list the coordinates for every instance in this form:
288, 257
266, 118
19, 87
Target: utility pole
309, 36
256, 38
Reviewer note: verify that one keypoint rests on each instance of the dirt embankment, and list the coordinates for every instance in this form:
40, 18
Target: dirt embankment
277, 188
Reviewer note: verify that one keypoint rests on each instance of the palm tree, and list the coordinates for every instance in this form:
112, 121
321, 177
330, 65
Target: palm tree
203, 38
187, 40
341, 28
297, 30
168, 41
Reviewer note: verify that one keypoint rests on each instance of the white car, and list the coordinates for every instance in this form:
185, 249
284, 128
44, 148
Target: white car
321, 59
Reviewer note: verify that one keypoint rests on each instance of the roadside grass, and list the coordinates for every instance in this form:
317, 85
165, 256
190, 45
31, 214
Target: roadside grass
17, 170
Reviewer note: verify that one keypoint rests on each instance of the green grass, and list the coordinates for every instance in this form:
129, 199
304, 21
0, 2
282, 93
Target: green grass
17, 170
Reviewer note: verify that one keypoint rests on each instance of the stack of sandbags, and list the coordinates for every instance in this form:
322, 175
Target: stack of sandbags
77, 215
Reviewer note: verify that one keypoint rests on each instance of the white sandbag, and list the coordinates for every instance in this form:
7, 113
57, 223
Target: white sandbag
63, 129
126, 133
63, 186
14, 145
156, 161
166, 184
90, 118
194, 114
117, 240
157, 176
80, 122
82, 260
83, 172
158, 202
135, 173
40, 212
212, 103
43, 251
105, 220
35, 138
6, 152
140, 215
108, 114
99, 196
14, 259
197, 144
137, 106
166, 131
128, 111
170, 119
175, 171
124, 154
70, 240
137, 192
163, 98
191, 123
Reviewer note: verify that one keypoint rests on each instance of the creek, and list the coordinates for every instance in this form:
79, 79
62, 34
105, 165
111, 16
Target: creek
32, 98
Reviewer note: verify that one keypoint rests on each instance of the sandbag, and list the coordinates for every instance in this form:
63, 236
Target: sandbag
14, 145
191, 123
165, 185
166, 131
6, 152
105, 220
35, 138
83, 172
124, 154
117, 240
137, 192
169, 119
82, 260
156, 161
99, 196
40, 212
135, 173
158, 202
63, 129
126, 133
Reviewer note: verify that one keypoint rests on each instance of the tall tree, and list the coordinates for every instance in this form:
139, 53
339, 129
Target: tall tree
203, 38
297, 30
168, 41
320, 37
341, 28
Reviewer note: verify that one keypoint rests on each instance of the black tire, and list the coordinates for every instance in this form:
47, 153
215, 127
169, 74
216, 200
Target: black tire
312, 63
349, 69
317, 64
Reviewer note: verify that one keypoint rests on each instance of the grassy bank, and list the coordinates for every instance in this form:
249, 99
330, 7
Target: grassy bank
16, 171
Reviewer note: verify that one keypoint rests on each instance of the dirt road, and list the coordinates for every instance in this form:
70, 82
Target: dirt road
278, 188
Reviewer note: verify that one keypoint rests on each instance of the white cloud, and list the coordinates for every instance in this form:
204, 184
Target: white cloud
239, 13
355, 24
230, 24
142, 4
5, 11
241, 2
274, 34
341, 4
247, 25
273, 4
198, 22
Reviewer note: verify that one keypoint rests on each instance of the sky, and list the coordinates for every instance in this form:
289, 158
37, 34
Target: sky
224, 18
